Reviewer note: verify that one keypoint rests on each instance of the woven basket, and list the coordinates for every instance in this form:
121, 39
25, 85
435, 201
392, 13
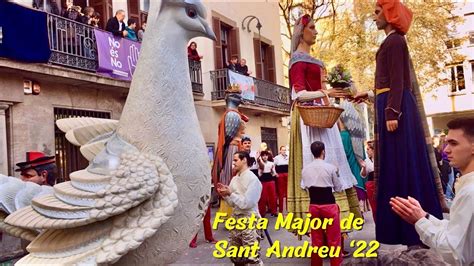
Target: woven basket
319, 116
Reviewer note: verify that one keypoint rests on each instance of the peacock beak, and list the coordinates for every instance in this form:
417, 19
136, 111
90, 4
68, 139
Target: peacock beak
209, 33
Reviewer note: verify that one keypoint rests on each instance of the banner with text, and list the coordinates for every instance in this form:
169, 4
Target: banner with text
246, 85
118, 56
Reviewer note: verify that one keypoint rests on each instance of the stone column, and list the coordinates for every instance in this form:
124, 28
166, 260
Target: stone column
3, 140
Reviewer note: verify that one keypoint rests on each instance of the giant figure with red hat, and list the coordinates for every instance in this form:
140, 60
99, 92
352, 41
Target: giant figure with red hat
38, 168
402, 164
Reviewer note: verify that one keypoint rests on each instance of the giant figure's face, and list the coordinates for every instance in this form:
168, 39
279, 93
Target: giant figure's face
379, 18
309, 33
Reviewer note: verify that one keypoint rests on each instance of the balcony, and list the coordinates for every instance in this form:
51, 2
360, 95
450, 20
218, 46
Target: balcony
73, 45
268, 96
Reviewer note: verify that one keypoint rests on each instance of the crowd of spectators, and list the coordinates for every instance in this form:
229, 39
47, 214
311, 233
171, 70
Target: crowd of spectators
87, 15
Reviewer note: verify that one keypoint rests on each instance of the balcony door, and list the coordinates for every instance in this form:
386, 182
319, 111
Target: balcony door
104, 8
264, 60
227, 42
269, 136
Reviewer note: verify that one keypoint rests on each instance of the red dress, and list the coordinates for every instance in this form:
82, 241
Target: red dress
306, 76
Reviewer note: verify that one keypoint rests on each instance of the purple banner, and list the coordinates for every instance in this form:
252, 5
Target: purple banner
118, 56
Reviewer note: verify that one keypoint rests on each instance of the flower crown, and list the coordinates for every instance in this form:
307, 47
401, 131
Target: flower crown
305, 19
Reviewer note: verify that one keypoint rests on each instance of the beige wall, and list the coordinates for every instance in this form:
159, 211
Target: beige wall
268, 14
32, 120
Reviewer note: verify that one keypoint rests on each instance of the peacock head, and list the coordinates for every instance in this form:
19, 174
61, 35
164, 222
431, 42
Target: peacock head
184, 17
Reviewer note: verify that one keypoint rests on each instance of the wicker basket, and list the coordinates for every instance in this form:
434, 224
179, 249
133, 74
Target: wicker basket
319, 116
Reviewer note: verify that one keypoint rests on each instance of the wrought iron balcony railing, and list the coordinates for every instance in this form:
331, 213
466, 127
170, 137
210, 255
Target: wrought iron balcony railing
267, 94
73, 45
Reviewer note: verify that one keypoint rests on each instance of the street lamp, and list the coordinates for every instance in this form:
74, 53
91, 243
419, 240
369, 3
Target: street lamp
249, 19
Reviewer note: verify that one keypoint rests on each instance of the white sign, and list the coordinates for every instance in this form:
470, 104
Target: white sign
246, 85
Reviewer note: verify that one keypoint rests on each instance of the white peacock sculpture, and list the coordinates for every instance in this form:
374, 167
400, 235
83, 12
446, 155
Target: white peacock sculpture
143, 196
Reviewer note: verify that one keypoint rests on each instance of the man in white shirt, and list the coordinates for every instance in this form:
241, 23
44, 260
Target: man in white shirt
247, 147
243, 194
454, 238
281, 166
321, 179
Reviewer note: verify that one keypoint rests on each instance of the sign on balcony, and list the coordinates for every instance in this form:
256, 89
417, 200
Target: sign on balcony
118, 57
246, 85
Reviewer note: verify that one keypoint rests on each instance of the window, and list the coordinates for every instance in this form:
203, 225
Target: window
227, 41
457, 78
68, 156
225, 33
471, 37
269, 136
264, 60
453, 43
472, 75
144, 5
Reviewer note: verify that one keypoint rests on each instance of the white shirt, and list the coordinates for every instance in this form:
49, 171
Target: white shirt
281, 160
454, 238
254, 155
268, 167
245, 193
320, 174
369, 167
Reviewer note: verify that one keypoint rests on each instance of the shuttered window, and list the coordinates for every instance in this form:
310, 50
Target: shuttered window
133, 10
227, 42
264, 60
104, 8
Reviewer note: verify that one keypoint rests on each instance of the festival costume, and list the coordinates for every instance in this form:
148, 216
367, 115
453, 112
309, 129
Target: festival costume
269, 196
207, 229
370, 185
320, 179
245, 192
231, 128
305, 74
281, 167
402, 166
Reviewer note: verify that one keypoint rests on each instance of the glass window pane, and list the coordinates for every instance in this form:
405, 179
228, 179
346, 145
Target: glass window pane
453, 79
460, 77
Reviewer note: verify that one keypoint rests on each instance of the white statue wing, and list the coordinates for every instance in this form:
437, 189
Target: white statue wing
99, 217
16, 194
106, 241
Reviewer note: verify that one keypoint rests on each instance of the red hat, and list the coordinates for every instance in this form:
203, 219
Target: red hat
34, 159
397, 14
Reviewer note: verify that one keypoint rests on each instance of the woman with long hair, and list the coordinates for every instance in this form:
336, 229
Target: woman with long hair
193, 53
306, 82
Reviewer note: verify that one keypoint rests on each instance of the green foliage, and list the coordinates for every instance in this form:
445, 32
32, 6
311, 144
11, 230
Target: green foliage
348, 35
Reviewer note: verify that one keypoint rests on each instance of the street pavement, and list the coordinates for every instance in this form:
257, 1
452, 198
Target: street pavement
202, 255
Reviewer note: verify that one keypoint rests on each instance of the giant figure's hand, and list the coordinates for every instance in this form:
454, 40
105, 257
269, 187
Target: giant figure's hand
408, 209
337, 93
392, 125
360, 97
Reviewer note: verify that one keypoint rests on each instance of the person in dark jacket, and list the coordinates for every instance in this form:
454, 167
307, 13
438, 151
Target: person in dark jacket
116, 25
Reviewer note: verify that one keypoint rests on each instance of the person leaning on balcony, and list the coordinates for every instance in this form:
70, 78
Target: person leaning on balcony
193, 53
141, 32
234, 63
116, 25
87, 17
95, 19
131, 34
243, 68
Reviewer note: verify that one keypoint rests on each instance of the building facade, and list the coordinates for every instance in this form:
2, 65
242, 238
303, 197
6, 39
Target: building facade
456, 99
33, 96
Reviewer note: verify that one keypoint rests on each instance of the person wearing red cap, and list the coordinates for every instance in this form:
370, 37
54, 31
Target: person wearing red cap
38, 168
402, 165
